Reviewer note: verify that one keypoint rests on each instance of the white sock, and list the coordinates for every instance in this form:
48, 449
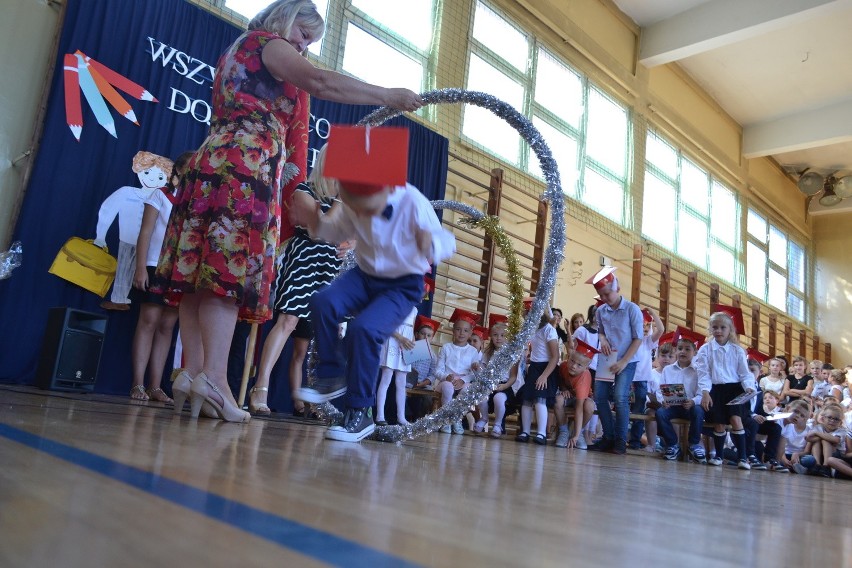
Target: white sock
526, 417
499, 408
541, 417
382, 392
399, 377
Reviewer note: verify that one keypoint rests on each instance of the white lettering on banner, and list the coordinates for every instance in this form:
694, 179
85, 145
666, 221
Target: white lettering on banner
184, 104
319, 125
184, 64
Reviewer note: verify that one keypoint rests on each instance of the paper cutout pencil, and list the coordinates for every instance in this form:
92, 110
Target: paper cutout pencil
73, 111
94, 98
119, 81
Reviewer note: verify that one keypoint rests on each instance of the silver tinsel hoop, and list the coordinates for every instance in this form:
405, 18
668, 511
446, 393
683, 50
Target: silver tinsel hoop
483, 381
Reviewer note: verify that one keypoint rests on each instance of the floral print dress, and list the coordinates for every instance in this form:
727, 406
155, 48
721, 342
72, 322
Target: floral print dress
226, 225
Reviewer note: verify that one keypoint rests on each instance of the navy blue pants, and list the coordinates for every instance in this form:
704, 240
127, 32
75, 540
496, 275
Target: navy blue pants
379, 306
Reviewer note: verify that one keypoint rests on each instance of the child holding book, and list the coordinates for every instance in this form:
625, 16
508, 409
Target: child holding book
619, 323
423, 371
723, 361
399, 236
575, 389
456, 361
503, 394
539, 387
393, 367
696, 389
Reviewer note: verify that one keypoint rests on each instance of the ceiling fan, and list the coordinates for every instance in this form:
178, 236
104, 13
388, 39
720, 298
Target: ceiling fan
833, 189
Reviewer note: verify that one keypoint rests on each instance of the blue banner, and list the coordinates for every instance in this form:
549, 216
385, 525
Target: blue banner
129, 76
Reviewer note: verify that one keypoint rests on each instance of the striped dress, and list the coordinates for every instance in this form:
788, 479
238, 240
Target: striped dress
304, 267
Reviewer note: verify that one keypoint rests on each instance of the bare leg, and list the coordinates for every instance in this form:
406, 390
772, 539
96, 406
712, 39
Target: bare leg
651, 429
140, 352
160, 351
300, 350
272, 347
190, 334
839, 465
217, 317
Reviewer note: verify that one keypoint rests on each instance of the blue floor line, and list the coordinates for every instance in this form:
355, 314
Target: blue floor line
303, 539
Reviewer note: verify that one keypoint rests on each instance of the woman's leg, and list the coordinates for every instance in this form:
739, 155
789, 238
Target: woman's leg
217, 317
190, 334
300, 351
272, 347
160, 351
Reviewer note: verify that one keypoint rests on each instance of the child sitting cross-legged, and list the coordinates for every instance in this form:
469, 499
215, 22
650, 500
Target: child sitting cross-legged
696, 388
575, 390
456, 361
827, 437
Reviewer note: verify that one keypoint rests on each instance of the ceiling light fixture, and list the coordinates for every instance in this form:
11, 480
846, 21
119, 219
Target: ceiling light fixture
833, 190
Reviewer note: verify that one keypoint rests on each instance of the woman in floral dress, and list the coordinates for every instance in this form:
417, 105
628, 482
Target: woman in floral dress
219, 251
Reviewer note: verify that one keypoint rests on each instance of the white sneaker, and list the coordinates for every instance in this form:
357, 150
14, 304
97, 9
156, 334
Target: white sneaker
445, 429
480, 426
581, 443
714, 461
458, 428
496, 431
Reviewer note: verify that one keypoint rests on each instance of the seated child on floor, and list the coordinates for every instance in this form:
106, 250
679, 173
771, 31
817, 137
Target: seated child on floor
575, 392
794, 430
456, 361
503, 394
827, 437
665, 356
696, 387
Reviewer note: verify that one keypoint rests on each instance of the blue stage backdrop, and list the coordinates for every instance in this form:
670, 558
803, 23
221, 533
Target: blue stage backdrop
169, 48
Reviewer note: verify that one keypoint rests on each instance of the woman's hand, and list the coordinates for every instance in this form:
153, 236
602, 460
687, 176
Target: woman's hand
140, 279
403, 99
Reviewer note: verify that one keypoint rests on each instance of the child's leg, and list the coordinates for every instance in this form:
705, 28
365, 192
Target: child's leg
559, 410
143, 340
602, 392
526, 417
446, 389
541, 416
839, 465
382, 392
738, 436
827, 451
651, 428
399, 377
623, 381
499, 408
719, 436
483, 411
640, 393
664, 424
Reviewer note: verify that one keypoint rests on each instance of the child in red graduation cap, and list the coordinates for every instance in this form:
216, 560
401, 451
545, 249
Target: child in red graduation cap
456, 361
575, 392
620, 330
398, 236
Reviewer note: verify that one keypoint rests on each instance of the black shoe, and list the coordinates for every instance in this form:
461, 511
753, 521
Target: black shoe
357, 425
540, 440
602, 445
322, 390
523, 438
619, 448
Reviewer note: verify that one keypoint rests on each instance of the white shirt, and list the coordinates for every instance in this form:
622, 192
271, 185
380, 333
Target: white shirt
542, 336
692, 382
161, 203
821, 389
387, 248
455, 360
724, 364
643, 364
129, 204
653, 386
795, 441
767, 383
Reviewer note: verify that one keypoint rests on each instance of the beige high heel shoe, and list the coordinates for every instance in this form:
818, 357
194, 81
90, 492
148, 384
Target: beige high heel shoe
203, 391
260, 409
181, 389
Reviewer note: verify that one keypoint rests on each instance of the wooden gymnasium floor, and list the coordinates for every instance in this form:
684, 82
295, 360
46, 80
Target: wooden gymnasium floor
98, 481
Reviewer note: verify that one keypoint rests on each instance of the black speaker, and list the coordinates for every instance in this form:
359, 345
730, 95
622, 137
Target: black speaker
71, 350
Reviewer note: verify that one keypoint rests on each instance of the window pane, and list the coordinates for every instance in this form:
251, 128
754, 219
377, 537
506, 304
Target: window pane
724, 217
483, 127
322, 8
363, 50
501, 37
692, 239
559, 89
658, 211
414, 23
722, 262
777, 290
250, 8
694, 187
756, 225
777, 247
564, 150
606, 135
755, 271
796, 269
795, 307
603, 195
661, 154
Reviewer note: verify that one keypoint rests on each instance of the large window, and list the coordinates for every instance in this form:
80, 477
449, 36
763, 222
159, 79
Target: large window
776, 264
250, 8
587, 131
689, 212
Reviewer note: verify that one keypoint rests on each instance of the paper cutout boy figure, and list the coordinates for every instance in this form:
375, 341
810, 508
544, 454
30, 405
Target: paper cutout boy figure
128, 203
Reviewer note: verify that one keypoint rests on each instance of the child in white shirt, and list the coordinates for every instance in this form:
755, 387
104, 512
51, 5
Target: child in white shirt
795, 431
540, 381
774, 381
456, 361
394, 367
503, 394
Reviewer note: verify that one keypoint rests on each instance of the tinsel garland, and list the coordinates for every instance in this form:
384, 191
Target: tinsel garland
483, 382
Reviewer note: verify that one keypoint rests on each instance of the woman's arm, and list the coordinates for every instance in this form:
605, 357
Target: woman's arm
284, 63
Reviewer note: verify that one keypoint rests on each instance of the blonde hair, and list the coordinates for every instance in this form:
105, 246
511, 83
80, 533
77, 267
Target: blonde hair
798, 358
722, 316
798, 404
838, 376
668, 347
146, 160
324, 188
816, 362
280, 16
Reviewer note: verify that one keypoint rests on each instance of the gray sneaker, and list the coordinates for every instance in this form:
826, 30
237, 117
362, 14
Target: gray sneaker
357, 425
458, 428
562, 439
581, 443
323, 390
446, 429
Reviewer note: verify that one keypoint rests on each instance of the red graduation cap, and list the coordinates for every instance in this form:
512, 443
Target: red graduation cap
668, 337
421, 321
482, 332
683, 333
604, 277
736, 314
646, 316
366, 159
585, 349
494, 319
757, 355
528, 303
464, 315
